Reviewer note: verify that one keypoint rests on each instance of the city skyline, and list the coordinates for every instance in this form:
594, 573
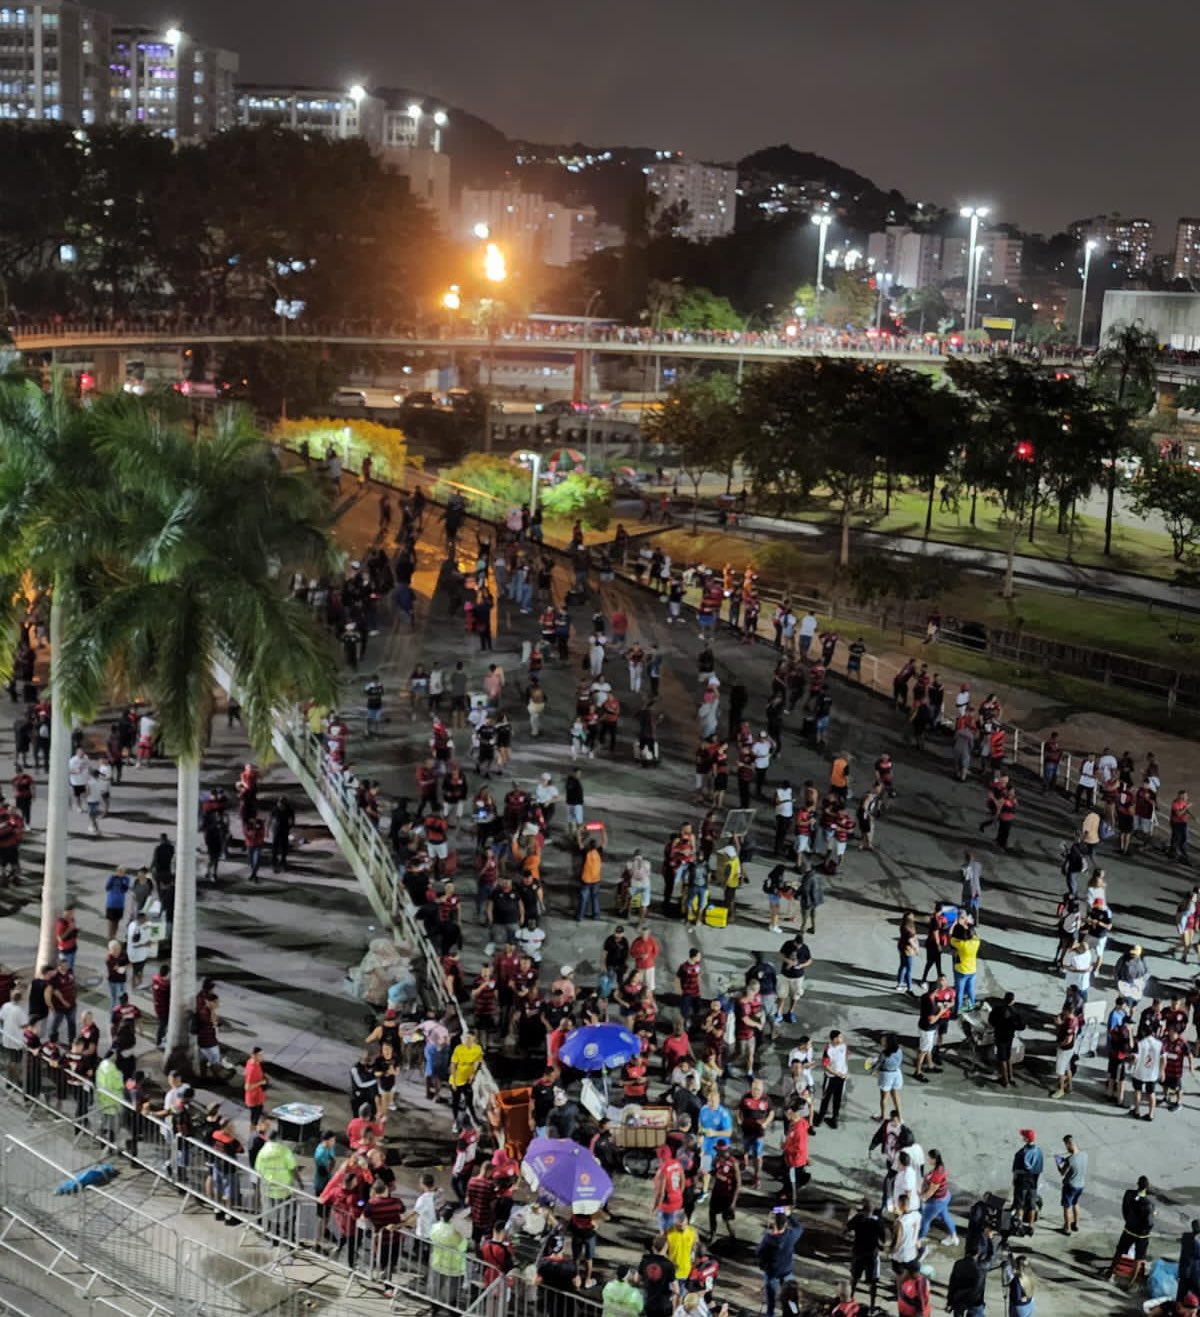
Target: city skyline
1045, 145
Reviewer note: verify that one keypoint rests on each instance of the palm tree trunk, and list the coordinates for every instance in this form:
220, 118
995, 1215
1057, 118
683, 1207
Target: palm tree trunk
179, 1048
54, 874
929, 506
844, 556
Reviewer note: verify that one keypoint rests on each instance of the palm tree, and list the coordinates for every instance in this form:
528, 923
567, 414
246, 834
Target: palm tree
206, 526
1126, 365
51, 490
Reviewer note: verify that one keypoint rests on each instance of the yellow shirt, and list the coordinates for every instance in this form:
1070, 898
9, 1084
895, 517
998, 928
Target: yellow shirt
966, 949
681, 1244
464, 1061
839, 774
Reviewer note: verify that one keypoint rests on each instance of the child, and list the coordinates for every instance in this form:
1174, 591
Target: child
578, 738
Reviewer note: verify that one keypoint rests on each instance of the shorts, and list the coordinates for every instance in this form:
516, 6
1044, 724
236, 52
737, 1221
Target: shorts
864, 1268
1024, 1195
1116, 1067
891, 1081
438, 850
706, 1161
583, 1246
1062, 1060
210, 1055
753, 1147
926, 1040
722, 1208
77, 791
1144, 1085
458, 703
1004, 1050
374, 715
1071, 1196
1128, 1241
803, 843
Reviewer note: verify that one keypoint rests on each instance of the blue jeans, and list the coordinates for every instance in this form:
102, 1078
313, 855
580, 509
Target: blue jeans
772, 1285
68, 959
964, 990
904, 973
937, 1209
589, 899
114, 993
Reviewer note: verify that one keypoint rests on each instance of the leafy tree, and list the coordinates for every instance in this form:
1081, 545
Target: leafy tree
273, 375
209, 528
42, 167
386, 445
1188, 398
1173, 491
879, 576
1017, 435
490, 485
847, 299
925, 310
579, 496
1125, 367
814, 421
698, 308
698, 421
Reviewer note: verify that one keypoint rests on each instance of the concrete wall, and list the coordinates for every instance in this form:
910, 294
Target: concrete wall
1174, 317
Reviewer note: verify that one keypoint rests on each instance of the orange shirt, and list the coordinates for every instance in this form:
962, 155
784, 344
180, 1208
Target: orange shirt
590, 873
255, 1083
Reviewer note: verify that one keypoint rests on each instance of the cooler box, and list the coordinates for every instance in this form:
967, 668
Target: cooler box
716, 916
298, 1122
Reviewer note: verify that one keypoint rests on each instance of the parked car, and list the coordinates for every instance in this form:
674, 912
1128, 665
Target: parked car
350, 398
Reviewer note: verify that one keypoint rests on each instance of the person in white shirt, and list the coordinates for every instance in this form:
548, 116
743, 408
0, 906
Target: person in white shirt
425, 1209
906, 1183
78, 772
547, 796
761, 750
1146, 1072
906, 1231
13, 1018
1077, 968
1106, 765
137, 947
806, 630
1085, 787
784, 807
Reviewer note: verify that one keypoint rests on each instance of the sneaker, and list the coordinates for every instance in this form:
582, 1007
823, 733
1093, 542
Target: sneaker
921, 1079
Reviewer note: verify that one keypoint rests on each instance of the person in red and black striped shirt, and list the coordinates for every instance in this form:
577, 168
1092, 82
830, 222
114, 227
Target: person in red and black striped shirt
385, 1212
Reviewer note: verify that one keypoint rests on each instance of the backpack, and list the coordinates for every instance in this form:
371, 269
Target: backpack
912, 1297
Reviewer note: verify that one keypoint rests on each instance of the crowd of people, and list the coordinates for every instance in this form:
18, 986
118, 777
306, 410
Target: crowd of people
710, 1042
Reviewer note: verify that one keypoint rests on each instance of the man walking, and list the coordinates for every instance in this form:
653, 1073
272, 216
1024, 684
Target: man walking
835, 1061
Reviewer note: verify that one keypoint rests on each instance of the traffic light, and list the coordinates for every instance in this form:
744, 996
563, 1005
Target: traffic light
1023, 451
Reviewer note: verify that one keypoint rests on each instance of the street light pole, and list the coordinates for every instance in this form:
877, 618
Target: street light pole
535, 460
974, 214
587, 382
822, 221
1089, 247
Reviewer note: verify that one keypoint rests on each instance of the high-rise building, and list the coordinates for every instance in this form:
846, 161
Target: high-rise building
323, 111
171, 83
53, 62
999, 256
701, 199
913, 258
1186, 264
1130, 239
413, 144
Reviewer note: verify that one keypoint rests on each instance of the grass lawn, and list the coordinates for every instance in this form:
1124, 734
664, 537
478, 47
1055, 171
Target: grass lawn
1121, 628
1134, 549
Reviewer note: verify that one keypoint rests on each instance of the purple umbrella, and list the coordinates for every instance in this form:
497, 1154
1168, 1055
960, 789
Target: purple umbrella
567, 1172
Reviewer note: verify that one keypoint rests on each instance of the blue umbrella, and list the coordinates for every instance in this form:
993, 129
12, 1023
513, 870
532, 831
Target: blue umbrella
568, 1173
599, 1047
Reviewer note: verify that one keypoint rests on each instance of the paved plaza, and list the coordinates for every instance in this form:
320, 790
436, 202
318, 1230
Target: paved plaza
280, 950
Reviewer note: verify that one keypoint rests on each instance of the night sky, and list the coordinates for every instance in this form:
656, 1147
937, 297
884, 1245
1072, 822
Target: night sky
1048, 110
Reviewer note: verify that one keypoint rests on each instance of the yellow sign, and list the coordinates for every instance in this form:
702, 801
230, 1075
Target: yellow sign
998, 322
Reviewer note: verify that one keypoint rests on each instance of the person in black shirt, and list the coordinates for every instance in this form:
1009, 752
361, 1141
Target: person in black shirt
1006, 1023
867, 1233
616, 952
657, 1274
1137, 1212
967, 1286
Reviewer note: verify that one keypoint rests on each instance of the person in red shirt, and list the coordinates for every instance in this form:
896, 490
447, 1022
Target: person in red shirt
1176, 1053
795, 1156
676, 1047
254, 831
481, 1203
23, 790
1052, 753
255, 1085
643, 950
160, 997
386, 1213
749, 1024
668, 1187
66, 936
754, 1115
